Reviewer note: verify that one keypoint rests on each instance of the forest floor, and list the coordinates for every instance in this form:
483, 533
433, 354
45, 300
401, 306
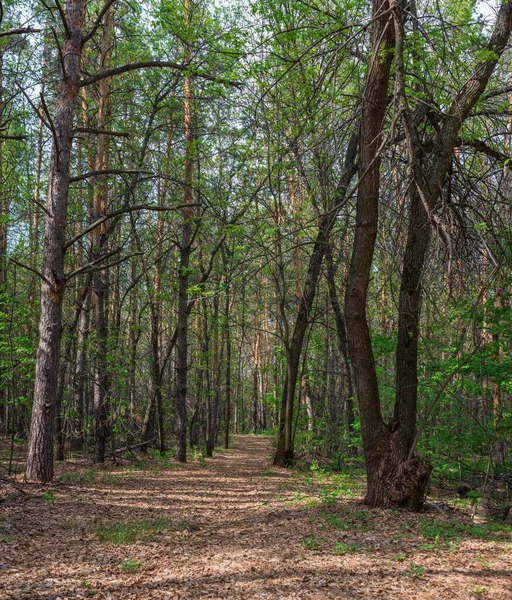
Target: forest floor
232, 527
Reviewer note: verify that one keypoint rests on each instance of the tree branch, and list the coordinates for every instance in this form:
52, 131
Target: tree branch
481, 146
19, 30
158, 64
100, 131
90, 268
118, 212
108, 172
32, 270
97, 22
62, 15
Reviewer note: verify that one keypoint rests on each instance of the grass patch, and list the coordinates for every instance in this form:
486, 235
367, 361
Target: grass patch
130, 565
269, 474
415, 571
49, 498
87, 476
341, 548
309, 542
334, 520
111, 479
446, 534
128, 533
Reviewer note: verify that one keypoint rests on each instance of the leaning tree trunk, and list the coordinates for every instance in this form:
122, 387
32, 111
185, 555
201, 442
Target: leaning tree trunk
379, 454
40, 449
284, 452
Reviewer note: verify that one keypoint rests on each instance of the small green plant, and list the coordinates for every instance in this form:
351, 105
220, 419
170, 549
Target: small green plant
49, 498
400, 557
199, 454
474, 498
130, 564
112, 479
340, 548
316, 468
329, 497
298, 496
415, 571
89, 591
365, 520
334, 520
269, 474
128, 533
87, 476
309, 542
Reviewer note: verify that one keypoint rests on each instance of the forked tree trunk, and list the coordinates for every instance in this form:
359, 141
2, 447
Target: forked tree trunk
395, 476
40, 449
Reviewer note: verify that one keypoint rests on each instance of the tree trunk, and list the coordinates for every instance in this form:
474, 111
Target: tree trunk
376, 436
40, 449
185, 250
227, 334
99, 244
284, 452
341, 334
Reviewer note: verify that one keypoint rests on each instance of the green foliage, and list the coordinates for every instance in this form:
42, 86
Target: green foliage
131, 532
309, 542
87, 477
415, 571
341, 548
130, 565
49, 498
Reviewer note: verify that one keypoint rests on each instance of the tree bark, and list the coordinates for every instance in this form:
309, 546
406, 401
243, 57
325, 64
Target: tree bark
99, 248
185, 251
376, 436
40, 449
395, 476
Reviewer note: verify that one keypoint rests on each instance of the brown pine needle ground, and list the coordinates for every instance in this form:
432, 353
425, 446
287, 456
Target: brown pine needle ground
233, 528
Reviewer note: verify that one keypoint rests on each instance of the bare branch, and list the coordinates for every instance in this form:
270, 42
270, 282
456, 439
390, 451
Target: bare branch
62, 15
121, 211
90, 174
157, 64
52, 128
97, 22
90, 268
101, 131
12, 137
481, 146
19, 30
49, 123
59, 50
32, 270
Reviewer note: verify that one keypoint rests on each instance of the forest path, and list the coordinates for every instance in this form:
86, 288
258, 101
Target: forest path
230, 528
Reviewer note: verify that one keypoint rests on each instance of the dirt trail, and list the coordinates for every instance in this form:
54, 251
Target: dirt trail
230, 529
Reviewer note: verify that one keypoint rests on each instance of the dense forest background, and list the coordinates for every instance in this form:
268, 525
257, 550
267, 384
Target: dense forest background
286, 217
